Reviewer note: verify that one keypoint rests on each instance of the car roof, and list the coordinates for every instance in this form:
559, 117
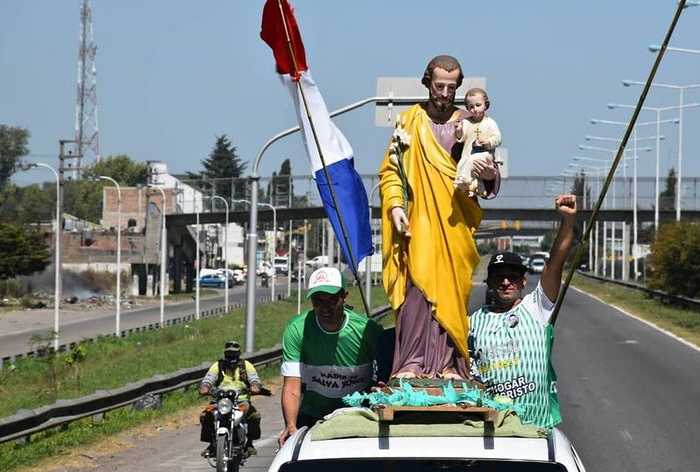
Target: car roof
555, 448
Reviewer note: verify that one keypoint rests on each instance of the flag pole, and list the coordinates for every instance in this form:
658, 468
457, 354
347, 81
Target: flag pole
343, 227
618, 157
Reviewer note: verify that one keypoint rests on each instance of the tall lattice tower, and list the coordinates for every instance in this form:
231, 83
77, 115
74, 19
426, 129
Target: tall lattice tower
87, 135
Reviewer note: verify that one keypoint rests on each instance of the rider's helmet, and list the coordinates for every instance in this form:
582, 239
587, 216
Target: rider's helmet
232, 352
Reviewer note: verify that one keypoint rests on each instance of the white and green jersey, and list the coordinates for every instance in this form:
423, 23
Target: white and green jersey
330, 364
512, 353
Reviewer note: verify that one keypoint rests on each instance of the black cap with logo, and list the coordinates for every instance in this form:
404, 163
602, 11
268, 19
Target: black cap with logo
507, 259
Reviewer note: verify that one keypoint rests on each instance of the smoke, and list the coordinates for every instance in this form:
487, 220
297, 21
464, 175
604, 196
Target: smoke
75, 284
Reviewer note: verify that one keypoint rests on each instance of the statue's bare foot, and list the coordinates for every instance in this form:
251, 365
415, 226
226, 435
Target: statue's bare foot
450, 374
405, 375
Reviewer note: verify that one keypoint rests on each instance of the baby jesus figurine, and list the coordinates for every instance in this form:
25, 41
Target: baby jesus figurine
481, 137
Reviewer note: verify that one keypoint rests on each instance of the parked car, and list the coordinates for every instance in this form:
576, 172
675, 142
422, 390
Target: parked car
212, 280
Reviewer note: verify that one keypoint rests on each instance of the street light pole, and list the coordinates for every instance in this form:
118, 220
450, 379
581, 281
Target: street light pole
196, 261
217, 197
57, 250
274, 249
681, 89
117, 330
163, 252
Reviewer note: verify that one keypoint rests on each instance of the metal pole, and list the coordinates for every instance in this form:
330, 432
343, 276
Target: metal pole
597, 230
605, 243
57, 250
301, 275
252, 253
679, 186
57, 269
368, 259
119, 251
218, 197
163, 259
274, 248
635, 251
196, 261
658, 159
289, 262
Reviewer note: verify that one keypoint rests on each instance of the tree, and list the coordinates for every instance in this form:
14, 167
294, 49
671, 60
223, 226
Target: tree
582, 192
667, 198
674, 262
223, 163
281, 186
121, 168
13, 145
22, 251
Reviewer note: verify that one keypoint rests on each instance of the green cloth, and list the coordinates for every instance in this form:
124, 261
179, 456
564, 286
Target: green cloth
364, 423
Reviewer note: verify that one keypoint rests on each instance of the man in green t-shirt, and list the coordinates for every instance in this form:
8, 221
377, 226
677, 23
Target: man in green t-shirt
510, 338
327, 352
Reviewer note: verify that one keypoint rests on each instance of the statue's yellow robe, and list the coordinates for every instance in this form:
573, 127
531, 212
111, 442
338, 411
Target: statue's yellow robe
441, 254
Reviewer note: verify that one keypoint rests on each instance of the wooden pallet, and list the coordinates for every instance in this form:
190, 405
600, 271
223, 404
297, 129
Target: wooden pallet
387, 413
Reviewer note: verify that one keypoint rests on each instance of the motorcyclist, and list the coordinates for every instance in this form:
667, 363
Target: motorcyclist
231, 373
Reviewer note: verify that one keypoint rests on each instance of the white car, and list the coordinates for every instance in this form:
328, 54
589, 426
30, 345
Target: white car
537, 265
465, 454
317, 262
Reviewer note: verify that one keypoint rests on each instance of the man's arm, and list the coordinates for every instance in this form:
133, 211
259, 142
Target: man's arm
551, 276
209, 380
291, 400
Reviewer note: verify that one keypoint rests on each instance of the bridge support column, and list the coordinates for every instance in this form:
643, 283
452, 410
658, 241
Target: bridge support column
177, 269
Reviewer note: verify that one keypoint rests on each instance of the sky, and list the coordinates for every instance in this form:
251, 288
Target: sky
174, 74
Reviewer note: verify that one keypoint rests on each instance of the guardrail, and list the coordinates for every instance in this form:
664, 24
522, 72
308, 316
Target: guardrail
140, 329
677, 300
27, 422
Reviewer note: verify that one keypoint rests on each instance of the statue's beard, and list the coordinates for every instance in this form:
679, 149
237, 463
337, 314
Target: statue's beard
442, 104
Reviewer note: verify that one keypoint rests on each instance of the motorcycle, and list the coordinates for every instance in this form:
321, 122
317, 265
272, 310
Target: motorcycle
231, 431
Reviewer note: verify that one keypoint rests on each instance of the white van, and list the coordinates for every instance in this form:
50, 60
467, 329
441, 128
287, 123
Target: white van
280, 264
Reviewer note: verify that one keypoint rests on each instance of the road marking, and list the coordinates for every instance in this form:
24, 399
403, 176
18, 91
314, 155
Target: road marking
648, 323
626, 435
628, 341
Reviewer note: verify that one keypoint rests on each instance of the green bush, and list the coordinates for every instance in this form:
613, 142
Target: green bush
674, 263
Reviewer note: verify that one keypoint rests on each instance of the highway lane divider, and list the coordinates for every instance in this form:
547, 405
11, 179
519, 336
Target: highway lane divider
216, 311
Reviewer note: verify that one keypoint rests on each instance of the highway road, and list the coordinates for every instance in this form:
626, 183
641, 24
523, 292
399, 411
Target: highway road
628, 396
19, 341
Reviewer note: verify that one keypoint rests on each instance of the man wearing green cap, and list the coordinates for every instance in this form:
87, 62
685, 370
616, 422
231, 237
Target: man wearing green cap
327, 352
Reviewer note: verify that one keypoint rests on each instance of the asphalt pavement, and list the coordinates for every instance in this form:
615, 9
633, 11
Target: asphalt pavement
19, 341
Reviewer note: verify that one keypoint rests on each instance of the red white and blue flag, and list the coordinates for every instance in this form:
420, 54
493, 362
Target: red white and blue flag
278, 24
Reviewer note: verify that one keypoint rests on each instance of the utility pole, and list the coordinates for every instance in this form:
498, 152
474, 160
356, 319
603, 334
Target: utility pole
86, 126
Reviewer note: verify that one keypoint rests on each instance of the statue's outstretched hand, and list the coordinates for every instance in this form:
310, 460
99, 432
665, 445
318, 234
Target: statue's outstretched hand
400, 220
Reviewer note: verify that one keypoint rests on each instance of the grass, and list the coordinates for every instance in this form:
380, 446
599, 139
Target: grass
683, 323
111, 363
57, 444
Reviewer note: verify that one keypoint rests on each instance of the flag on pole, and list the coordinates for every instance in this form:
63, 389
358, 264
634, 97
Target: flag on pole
278, 24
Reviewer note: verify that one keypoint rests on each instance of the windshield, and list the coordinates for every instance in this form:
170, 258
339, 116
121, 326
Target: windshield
420, 465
